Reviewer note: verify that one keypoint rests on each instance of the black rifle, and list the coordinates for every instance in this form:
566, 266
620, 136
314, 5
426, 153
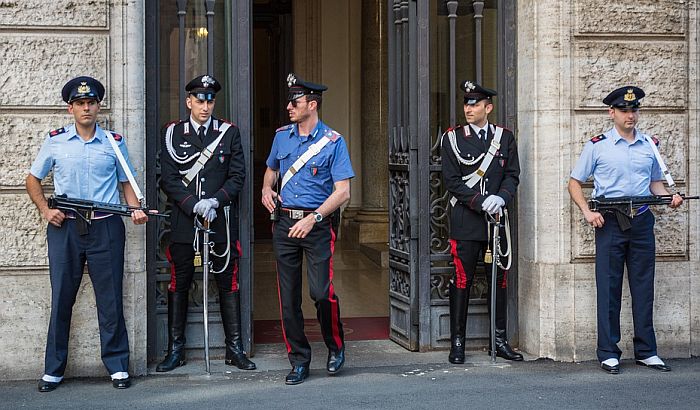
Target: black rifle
86, 209
625, 207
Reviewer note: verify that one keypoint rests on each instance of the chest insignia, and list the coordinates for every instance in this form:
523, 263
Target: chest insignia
185, 144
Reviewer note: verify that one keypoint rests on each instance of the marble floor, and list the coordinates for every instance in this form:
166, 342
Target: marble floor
361, 285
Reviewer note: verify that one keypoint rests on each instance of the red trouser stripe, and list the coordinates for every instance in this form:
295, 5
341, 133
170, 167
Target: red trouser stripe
460, 275
171, 286
504, 282
331, 296
234, 276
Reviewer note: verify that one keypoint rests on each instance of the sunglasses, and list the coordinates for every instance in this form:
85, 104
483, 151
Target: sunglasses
297, 101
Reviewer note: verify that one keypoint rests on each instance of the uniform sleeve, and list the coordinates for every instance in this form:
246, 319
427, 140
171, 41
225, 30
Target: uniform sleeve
341, 168
171, 181
585, 164
511, 177
452, 178
120, 171
44, 161
272, 161
236, 171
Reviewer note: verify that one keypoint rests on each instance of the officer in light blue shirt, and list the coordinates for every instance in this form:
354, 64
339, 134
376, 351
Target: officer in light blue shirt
622, 163
313, 163
84, 166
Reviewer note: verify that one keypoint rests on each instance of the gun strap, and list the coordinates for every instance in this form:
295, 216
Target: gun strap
313, 149
204, 156
127, 169
664, 169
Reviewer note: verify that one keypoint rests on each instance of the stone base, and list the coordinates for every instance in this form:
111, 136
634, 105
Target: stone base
377, 252
368, 226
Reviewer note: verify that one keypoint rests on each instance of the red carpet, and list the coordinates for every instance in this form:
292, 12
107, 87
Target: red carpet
356, 328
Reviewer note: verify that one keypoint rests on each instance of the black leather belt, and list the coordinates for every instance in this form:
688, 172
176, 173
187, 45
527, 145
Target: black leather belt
295, 213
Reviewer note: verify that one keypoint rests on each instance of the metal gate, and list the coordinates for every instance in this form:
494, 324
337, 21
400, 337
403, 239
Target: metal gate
430, 44
195, 29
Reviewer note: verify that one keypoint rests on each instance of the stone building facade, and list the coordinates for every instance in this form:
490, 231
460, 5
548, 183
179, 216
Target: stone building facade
569, 54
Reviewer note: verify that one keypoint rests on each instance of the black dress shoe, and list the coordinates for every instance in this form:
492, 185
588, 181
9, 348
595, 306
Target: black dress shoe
171, 361
297, 375
610, 369
456, 351
659, 367
505, 351
121, 383
45, 386
335, 361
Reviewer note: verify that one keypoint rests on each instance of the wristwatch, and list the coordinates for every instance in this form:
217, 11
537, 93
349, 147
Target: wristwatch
317, 216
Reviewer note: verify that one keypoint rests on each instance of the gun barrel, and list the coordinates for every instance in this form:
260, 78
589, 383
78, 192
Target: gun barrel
74, 204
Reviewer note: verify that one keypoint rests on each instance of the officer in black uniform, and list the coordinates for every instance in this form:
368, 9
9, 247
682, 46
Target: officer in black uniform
211, 194
464, 150
314, 165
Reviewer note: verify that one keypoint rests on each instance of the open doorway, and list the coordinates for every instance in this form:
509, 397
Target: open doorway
360, 281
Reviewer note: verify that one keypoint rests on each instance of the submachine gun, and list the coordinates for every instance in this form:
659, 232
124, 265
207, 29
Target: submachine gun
627, 207
86, 209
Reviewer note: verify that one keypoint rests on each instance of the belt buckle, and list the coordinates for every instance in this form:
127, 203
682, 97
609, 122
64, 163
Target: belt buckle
297, 214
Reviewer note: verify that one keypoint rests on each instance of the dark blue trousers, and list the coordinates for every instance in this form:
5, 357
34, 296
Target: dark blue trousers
103, 250
635, 248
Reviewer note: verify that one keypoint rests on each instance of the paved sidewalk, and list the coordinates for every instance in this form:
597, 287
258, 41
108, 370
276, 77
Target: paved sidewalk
381, 375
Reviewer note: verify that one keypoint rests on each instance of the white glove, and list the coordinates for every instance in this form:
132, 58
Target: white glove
205, 205
210, 215
493, 204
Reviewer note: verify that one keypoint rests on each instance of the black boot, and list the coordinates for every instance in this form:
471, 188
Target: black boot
231, 318
459, 302
177, 322
503, 348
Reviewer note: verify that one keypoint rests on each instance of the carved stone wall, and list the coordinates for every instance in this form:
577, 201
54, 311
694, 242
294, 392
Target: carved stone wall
42, 45
575, 52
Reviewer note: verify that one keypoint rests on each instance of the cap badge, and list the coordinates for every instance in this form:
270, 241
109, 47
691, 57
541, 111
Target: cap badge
207, 81
630, 96
291, 79
469, 86
83, 88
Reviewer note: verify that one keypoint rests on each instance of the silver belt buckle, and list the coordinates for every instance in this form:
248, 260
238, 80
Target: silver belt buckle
297, 214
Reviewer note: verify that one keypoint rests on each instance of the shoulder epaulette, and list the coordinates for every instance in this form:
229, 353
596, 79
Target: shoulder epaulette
57, 131
227, 122
504, 128
598, 138
656, 141
285, 127
116, 136
455, 128
172, 123
331, 134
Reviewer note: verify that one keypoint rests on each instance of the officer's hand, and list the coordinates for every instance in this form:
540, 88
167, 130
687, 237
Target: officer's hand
54, 216
204, 205
138, 217
269, 198
211, 215
595, 219
302, 227
493, 204
676, 201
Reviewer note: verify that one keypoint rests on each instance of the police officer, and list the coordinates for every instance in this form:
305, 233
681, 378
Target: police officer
623, 163
208, 192
85, 166
494, 180
313, 163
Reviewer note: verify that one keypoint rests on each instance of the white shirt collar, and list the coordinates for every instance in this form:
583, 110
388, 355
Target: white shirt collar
477, 129
196, 125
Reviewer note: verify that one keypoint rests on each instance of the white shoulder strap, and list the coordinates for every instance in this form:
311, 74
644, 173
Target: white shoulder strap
662, 165
204, 156
125, 167
475, 176
314, 149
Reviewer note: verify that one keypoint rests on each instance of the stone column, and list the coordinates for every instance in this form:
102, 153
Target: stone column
370, 223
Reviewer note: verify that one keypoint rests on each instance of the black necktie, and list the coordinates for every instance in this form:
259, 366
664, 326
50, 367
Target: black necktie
482, 136
200, 133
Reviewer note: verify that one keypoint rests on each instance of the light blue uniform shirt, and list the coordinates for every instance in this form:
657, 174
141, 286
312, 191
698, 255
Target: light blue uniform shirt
82, 169
313, 184
618, 167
